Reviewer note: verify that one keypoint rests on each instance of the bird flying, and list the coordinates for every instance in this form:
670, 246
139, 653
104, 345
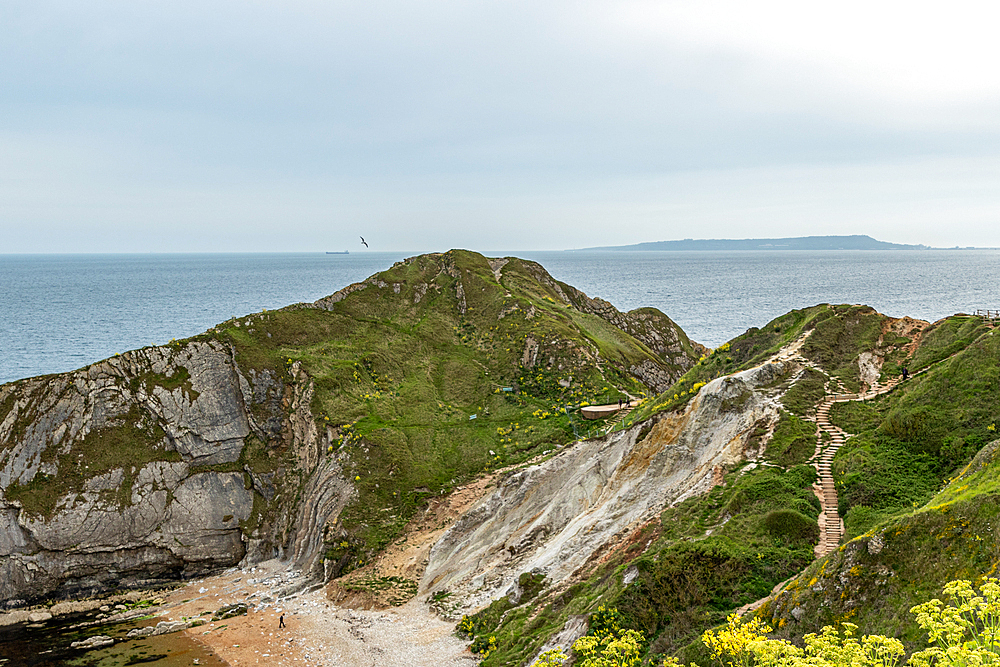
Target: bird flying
363, 241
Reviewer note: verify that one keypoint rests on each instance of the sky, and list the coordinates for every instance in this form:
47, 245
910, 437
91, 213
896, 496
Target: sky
494, 125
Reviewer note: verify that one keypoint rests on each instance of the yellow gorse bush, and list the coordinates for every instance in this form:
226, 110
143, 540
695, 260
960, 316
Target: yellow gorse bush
744, 644
623, 650
733, 642
965, 633
552, 658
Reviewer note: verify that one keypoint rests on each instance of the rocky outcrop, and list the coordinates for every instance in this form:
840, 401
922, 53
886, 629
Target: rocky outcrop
658, 378
659, 333
137, 470
650, 326
552, 518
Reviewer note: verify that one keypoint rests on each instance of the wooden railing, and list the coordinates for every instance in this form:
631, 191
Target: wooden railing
988, 314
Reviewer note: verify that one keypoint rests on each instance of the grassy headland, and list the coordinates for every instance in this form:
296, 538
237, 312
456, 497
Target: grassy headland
443, 368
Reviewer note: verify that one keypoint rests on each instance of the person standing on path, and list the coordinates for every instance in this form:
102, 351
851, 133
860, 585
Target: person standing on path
281, 621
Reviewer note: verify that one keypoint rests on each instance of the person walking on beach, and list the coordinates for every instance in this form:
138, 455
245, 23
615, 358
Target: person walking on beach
281, 621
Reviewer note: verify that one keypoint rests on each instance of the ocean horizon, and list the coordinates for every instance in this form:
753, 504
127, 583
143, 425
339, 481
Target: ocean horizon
65, 311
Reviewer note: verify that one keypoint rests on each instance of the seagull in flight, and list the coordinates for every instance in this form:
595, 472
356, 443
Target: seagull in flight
363, 241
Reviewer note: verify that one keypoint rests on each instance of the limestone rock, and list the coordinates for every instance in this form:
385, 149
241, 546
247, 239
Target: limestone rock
238, 609
93, 642
574, 628
172, 508
557, 514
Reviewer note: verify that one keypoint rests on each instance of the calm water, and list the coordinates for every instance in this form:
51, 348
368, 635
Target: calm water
61, 312
48, 645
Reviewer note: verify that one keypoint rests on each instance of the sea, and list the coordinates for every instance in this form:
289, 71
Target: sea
62, 312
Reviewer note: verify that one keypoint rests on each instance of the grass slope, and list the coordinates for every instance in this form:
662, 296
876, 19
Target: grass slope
418, 379
679, 575
874, 579
410, 370
918, 511
838, 335
729, 547
910, 440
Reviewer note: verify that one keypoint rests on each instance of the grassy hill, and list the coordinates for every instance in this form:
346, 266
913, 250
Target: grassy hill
713, 553
447, 366
875, 578
330, 424
917, 489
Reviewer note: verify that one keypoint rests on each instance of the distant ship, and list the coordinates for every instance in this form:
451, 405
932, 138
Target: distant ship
342, 252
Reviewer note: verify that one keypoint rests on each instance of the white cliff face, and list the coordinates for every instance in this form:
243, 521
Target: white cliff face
205, 420
555, 516
183, 503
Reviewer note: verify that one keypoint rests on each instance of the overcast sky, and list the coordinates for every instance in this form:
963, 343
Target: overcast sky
297, 126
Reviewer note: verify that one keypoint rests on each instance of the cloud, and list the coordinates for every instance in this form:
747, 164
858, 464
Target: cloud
473, 123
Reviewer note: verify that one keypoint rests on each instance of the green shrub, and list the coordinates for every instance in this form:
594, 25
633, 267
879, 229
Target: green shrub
793, 441
787, 524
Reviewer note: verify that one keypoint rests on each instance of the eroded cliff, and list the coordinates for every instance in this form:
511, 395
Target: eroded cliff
552, 518
152, 465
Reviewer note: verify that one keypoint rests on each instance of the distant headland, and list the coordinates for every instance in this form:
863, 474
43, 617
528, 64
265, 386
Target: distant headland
855, 242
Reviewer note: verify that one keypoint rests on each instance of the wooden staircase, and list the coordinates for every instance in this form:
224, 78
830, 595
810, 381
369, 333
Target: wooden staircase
620, 417
831, 526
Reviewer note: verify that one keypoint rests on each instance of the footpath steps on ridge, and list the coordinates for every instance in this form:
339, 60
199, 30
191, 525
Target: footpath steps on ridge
831, 525
619, 418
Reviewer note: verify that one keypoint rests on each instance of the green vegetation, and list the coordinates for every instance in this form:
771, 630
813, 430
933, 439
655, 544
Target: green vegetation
400, 590
838, 340
433, 373
805, 393
707, 556
962, 633
910, 440
896, 358
906, 559
945, 338
8, 397
793, 442
715, 552
180, 379
837, 336
436, 372
126, 444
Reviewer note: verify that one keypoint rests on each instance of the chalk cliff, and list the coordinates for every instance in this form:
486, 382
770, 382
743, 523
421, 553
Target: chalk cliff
138, 469
553, 518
